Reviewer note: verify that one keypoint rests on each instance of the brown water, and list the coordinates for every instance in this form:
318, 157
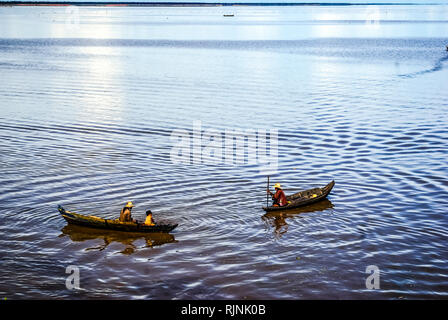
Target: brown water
86, 118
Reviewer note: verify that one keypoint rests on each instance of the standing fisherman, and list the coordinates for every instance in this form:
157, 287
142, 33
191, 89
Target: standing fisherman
279, 197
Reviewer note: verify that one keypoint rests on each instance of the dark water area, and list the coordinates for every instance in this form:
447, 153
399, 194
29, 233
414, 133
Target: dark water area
86, 119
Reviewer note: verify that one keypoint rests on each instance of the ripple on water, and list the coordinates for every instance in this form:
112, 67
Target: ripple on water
94, 133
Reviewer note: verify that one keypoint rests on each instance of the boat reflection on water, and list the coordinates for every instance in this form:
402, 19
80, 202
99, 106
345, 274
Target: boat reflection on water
277, 219
80, 234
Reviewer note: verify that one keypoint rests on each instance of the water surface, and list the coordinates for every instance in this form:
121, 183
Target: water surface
86, 113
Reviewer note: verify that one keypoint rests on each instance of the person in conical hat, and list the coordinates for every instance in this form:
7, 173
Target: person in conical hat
279, 197
125, 214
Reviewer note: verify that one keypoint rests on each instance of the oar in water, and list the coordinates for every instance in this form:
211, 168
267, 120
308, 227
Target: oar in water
267, 194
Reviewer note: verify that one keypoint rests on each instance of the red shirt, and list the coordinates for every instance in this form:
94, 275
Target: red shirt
280, 198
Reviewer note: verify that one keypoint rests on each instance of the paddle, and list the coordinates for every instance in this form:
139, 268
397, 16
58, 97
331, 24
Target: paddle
267, 194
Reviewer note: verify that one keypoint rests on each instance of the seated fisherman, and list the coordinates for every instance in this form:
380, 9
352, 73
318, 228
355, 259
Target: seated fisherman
279, 198
125, 214
149, 220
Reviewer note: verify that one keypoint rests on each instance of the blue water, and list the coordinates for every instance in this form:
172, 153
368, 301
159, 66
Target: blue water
90, 98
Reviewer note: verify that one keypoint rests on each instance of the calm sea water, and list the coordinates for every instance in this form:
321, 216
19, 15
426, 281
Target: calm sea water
357, 94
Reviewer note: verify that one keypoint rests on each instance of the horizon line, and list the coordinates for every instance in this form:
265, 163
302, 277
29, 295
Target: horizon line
198, 3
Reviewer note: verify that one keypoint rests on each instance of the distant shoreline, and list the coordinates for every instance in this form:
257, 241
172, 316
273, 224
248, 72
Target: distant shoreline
192, 4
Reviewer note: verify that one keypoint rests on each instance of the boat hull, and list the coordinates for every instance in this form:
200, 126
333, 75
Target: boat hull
109, 224
304, 198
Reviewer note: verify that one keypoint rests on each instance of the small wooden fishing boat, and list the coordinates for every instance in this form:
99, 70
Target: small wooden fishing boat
110, 224
304, 198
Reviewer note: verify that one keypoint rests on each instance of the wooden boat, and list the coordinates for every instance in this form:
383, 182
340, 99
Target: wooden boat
304, 198
322, 205
110, 224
